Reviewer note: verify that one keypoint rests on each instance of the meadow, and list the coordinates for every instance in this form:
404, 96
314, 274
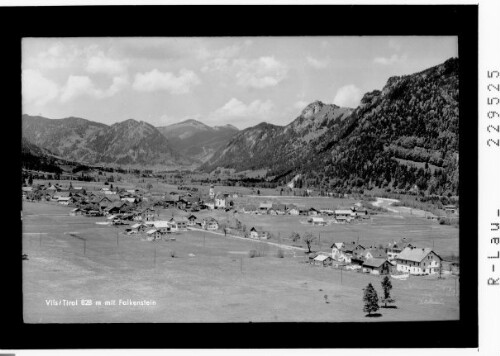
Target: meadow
204, 277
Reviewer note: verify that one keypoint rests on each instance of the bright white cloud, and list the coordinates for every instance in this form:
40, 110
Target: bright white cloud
260, 73
37, 89
390, 60
156, 80
317, 63
234, 108
101, 63
301, 104
77, 86
348, 96
56, 56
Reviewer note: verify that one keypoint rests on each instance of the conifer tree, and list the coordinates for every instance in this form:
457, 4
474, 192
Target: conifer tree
387, 286
370, 298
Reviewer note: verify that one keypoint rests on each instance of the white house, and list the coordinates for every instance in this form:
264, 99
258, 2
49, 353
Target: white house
220, 202
257, 233
154, 234
415, 260
64, 200
162, 226
316, 220
210, 224
323, 260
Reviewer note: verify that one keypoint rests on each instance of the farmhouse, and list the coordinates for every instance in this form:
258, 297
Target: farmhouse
343, 215
418, 261
76, 211
220, 202
138, 227
154, 234
264, 207
346, 251
191, 220
312, 212
210, 204
162, 226
258, 233
377, 266
179, 223
323, 260
451, 209
292, 210
210, 224
148, 214
64, 200
316, 220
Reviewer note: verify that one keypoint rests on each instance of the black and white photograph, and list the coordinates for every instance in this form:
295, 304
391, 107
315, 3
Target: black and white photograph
240, 179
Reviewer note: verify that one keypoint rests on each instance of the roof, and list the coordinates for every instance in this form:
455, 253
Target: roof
374, 262
152, 231
343, 212
321, 258
337, 245
258, 229
318, 219
76, 209
376, 253
266, 205
135, 226
161, 224
27, 189
414, 254
64, 198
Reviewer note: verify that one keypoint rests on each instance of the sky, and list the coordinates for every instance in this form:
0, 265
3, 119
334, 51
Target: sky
240, 81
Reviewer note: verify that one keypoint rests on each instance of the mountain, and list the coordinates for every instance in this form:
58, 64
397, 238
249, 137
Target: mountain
197, 140
282, 149
126, 143
401, 137
36, 158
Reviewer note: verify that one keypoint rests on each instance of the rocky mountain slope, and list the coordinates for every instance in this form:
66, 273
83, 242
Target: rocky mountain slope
402, 137
197, 140
125, 143
281, 149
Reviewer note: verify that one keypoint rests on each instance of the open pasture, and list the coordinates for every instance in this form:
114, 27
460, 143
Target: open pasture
210, 279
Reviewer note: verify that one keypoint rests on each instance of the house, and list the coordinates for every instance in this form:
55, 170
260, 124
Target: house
162, 226
373, 253
450, 209
303, 211
138, 227
147, 214
130, 200
154, 234
264, 207
191, 220
178, 224
323, 260
317, 220
377, 266
250, 208
394, 249
327, 212
258, 233
210, 224
292, 210
415, 260
346, 251
210, 204
343, 215
280, 209
76, 211
64, 200
312, 212
220, 202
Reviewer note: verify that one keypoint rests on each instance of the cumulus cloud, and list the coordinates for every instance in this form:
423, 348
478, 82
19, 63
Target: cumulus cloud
100, 63
37, 89
317, 63
237, 112
348, 96
175, 84
78, 85
260, 73
56, 56
390, 60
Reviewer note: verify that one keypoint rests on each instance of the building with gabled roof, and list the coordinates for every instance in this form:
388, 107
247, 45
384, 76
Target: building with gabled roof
377, 266
415, 260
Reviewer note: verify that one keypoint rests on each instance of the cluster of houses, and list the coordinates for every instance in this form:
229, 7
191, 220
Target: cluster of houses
316, 216
401, 257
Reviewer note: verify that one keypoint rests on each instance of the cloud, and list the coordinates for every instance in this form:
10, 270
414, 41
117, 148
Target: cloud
317, 63
156, 80
37, 89
390, 60
100, 63
77, 86
260, 73
56, 56
394, 44
348, 96
237, 112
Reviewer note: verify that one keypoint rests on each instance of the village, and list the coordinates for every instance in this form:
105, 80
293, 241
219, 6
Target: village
165, 216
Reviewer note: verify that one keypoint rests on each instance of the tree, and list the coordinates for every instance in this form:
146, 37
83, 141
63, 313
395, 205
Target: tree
149, 186
294, 236
308, 238
387, 286
370, 298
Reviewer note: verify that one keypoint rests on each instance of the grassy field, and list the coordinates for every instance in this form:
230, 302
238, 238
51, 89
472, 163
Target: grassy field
211, 279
